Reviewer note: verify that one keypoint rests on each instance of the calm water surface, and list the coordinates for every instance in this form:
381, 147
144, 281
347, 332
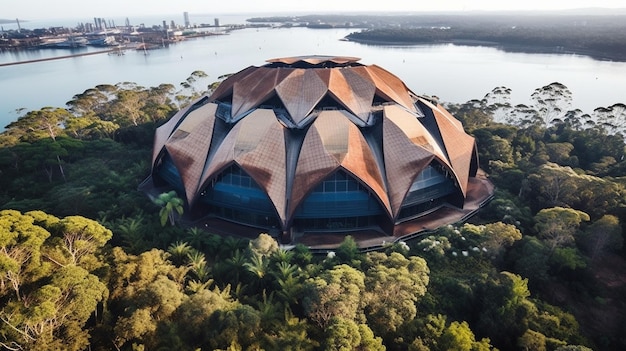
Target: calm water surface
453, 73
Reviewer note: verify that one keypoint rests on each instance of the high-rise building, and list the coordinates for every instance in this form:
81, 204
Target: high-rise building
186, 17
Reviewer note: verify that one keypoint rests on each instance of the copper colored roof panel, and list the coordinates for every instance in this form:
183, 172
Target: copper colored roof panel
264, 159
340, 89
300, 92
314, 164
333, 129
443, 113
391, 86
252, 130
223, 157
266, 165
458, 144
361, 163
163, 133
324, 75
189, 153
414, 131
252, 90
288, 161
226, 87
403, 162
362, 93
341, 140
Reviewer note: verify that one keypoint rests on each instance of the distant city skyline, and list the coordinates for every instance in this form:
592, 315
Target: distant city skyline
60, 9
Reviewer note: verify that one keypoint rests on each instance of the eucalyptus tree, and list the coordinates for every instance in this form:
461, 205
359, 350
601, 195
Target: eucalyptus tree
126, 109
602, 236
42, 123
335, 293
92, 100
191, 88
498, 103
612, 119
37, 126
523, 115
55, 296
56, 314
76, 240
557, 226
21, 242
393, 285
551, 102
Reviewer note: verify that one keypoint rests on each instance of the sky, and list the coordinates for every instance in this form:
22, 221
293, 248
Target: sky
60, 9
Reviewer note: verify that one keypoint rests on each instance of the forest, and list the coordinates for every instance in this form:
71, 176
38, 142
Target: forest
600, 37
87, 262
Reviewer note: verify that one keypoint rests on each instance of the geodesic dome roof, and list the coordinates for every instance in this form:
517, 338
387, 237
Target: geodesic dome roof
292, 122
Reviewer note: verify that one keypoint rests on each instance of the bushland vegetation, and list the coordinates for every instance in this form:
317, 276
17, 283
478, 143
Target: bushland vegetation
88, 262
588, 34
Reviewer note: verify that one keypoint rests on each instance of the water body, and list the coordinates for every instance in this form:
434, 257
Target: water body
453, 73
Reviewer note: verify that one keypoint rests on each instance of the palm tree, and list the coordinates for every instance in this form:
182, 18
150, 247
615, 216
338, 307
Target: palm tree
170, 205
290, 290
179, 252
281, 255
236, 263
195, 286
284, 270
131, 231
258, 266
198, 265
202, 270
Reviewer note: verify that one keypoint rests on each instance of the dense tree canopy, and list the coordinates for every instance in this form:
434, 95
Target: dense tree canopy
86, 261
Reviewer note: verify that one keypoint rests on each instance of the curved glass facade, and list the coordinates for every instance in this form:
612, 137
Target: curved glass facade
427, 192
235, 196
339, 202
168, 172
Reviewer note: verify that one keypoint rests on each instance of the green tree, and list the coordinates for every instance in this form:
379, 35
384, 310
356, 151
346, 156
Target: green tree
557, 225
170, 205
21, 241
46, 122
335, 293
603, 235
345, 334
457, 337
505, 311
178, 252
263, 245
551, 102
55, 315
532, 340
393, 285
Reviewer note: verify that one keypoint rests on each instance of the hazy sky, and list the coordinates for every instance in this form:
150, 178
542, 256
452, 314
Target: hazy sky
59, 9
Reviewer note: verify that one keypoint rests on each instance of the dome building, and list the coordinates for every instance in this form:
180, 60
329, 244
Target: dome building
304, 147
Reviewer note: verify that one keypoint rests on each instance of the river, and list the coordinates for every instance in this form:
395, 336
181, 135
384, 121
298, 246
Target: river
453, 73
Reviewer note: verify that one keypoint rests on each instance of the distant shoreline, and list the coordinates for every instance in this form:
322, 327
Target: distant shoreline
506, 47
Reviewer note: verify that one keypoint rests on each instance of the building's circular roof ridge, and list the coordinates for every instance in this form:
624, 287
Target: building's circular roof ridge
315, 59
